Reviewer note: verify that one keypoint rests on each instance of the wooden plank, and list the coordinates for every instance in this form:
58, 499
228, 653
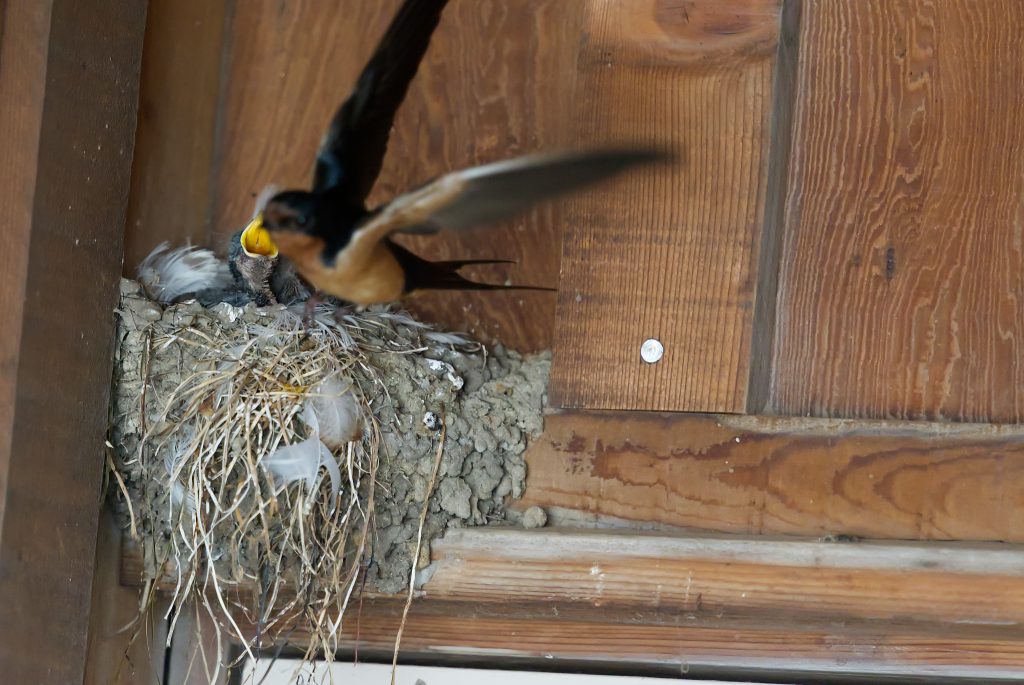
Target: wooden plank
22, 82
72, 221
791, 476
497, 82
711, 604
901, 279
669, 254
683, 645
114, 658
735, 577
172, 174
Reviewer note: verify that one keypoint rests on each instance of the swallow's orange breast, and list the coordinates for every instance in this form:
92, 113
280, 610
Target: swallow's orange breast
374, 278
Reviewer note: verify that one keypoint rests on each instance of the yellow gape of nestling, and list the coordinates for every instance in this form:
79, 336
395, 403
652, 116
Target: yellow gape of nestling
256, 240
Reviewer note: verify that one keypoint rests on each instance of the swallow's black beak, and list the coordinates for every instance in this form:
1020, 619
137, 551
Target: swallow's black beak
256, 240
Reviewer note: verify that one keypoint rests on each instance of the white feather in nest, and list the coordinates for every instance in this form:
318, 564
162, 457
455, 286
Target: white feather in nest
174, 457
168, 274
332, 413
302, 461
446, 338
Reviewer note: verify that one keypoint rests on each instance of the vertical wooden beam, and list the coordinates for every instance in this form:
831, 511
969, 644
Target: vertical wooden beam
24, 30
67, 227
901, 283
669, 254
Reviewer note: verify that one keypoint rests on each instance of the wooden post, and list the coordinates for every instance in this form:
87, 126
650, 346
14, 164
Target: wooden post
69, 77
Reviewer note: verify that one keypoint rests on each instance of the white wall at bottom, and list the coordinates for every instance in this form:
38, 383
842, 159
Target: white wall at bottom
283, 672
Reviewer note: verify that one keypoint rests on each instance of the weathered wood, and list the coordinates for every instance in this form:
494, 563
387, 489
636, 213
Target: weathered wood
622, 642
668, 254
497, 81
710, 604
172, 174
114, 657
901, 282
22, 86
734, 577
769, 647
784, 91
68, 212
793, 476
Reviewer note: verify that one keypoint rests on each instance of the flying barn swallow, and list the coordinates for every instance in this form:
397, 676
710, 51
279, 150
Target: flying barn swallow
343, 248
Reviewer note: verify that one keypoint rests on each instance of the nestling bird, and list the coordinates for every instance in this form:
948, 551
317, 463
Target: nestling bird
343, 248
253, 272
258, 269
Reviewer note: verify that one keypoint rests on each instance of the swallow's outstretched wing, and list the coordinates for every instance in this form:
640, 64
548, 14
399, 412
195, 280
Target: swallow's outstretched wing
490, 193
352, 152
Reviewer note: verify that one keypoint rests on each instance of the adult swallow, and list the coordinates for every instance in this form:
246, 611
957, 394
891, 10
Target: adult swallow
344, 249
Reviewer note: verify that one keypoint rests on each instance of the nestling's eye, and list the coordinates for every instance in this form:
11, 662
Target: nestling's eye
302, 219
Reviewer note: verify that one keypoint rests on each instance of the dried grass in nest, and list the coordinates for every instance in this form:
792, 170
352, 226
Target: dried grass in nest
297, 534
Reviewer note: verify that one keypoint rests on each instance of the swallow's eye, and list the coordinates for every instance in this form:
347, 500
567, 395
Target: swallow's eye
302, 219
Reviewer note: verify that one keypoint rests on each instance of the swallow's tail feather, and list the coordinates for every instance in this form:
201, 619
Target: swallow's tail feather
422, 274
459, 263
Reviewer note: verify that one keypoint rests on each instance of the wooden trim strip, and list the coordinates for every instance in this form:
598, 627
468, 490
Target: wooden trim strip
765, 475
715, 603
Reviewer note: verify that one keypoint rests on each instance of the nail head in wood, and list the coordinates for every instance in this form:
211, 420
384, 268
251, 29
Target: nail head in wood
652, 351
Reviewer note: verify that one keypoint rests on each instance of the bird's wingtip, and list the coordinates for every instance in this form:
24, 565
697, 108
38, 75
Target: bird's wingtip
645, 154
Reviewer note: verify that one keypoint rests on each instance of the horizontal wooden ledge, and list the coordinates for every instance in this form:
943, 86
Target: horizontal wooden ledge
792, 476
780, 649
719, 576
798, 606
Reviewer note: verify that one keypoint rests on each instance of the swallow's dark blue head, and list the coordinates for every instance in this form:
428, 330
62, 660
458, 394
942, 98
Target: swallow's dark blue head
292, 210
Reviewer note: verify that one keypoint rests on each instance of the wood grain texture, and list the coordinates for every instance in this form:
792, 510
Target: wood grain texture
24, 30
790, 476
86, 125
114, 658
712, 604
901, 283
668, 254
497, 82
678, 644
172, 173
735, 577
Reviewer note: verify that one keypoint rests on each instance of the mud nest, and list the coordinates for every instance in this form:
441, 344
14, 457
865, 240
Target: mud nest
249, 450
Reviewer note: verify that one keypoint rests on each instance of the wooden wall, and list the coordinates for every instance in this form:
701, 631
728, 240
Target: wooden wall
668, 254
902, 277
839, 237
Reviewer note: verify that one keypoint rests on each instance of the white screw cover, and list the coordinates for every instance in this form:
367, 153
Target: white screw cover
652, 351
